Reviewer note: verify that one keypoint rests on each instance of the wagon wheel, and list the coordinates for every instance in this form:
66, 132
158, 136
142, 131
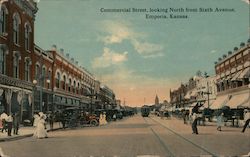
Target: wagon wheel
93, 122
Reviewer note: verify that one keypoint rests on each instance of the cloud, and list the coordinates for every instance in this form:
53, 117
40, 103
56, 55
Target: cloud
117, 32
109, 58
213, 51
247, 1
148, 49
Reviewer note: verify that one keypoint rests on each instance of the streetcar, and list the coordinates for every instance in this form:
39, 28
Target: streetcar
145, 110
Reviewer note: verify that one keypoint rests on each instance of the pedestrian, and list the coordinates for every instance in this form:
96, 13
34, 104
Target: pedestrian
3, 117
16, 123
220, 121
184, 116
9, 121
194, 124
41, 131
246, 119
35, 119
51, 118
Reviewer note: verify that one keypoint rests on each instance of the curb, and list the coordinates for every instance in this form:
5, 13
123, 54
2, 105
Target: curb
13, 138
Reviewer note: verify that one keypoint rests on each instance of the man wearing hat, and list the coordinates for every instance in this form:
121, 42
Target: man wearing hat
246, 119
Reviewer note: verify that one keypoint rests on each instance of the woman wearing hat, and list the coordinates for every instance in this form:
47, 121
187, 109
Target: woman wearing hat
41, 132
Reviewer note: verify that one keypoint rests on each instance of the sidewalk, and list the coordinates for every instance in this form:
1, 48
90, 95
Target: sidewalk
178, 125
25, 132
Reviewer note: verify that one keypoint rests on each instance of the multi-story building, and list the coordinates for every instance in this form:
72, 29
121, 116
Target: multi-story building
233, 74
107, 97
32, 79
72, 84
16, 50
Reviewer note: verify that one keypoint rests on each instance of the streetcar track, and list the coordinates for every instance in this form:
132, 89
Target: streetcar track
163, 144
185, 139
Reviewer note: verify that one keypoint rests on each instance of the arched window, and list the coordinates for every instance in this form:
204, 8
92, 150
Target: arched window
3, 19
64, 82
69, 85
2, 61
27, 36
16, 65
49, 77
74, 89
37, 71
78, 88
44, 77
58, 77
27, 69
16, 23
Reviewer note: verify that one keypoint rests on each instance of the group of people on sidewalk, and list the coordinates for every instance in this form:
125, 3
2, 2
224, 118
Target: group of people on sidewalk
220, 120
8, 122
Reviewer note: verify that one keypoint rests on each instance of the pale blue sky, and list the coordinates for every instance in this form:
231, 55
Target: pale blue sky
135, 56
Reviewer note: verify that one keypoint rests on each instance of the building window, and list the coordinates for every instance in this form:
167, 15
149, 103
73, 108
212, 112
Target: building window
44, 79
27, 70
37, 71
49, 77
64, 82
2, 61
16, 32
58, 77
69, 85
16, 66
3, 18
74, 89
27, 36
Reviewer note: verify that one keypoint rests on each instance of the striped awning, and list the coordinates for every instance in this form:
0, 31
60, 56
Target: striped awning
245, 73
238, 100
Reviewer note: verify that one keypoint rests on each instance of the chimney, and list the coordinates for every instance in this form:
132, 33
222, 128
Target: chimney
62, 51
76, 62
53, 47
67, 55
72, 60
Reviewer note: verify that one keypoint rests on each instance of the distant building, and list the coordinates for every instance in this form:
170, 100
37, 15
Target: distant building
233, 74
156, 100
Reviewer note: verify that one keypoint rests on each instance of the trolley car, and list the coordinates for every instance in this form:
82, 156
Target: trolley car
145, 111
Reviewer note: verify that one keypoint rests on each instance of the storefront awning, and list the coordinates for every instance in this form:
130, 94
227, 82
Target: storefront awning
237, 100
219, 102
245, 104
210, 103
236, 75
245, 73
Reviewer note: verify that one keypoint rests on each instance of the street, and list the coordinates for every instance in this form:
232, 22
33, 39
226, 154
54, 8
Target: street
134, 136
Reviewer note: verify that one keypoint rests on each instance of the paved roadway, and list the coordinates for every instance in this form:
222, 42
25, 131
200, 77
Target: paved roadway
134, 136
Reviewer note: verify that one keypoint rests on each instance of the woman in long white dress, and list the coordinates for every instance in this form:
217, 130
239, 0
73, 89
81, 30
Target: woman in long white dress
104, 119
41, 132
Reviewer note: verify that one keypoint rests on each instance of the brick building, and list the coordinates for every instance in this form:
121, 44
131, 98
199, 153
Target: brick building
16, 49
33, 79
233, 74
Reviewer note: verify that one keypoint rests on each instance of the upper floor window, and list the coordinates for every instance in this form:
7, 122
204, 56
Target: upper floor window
27, 69
16, 65
74, 89
44, 80
27, 36
64, 82
37, 71
49, 78
16, 29
3, 19
2, 61
58, 77
69, 85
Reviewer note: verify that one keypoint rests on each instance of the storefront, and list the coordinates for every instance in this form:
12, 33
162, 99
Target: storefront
15, 97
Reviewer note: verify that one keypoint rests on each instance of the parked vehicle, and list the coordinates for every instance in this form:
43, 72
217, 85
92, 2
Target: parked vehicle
75, 117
